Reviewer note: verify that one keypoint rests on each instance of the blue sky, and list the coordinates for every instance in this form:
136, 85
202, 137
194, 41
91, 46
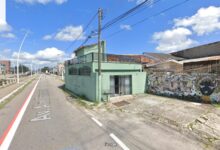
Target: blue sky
54, 24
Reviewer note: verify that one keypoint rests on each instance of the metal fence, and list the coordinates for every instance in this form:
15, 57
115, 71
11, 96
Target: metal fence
93, 57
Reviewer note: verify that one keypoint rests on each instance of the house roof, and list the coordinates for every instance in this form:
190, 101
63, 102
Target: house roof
161, 56
212, 58
91, 45
212, 49
164, 62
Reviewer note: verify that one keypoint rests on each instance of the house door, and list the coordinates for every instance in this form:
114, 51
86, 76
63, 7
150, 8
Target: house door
120, 85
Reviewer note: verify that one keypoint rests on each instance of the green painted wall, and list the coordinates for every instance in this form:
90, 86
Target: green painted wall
138, 80
90, 49
86, 86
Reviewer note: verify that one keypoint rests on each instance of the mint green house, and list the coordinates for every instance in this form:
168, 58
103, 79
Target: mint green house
120, 74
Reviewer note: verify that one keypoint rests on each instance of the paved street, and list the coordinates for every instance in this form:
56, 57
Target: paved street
52, 123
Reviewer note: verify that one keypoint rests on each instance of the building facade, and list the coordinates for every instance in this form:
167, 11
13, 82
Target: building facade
60, 69
118, 77
7, 65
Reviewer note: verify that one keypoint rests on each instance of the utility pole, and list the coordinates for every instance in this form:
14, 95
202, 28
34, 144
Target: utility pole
100, 15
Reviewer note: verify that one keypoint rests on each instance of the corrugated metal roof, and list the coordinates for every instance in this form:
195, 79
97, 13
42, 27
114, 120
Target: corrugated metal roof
211, 49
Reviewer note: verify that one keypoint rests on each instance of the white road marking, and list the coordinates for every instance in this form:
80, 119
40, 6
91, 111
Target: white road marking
96, 121
197, 104
117, 140
41, 118
13, 92
8, 139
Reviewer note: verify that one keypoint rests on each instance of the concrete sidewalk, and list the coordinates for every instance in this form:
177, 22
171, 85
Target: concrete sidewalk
8, 89
198, 122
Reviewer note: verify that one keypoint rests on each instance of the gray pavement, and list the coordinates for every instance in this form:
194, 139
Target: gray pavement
52, 123
155, 122
6, 90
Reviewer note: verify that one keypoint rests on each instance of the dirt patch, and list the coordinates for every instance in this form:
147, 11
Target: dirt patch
121, 103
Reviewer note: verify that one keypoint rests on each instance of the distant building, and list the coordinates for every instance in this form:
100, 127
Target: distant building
202, 65
166, 66
212, 49
2, 69
121, 74
202, 59
155, 58
7, 65
126, 58
60, 69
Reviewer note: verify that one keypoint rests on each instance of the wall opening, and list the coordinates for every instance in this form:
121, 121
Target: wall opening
120, 85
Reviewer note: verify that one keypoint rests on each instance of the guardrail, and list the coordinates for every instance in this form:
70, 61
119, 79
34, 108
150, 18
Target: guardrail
6, 82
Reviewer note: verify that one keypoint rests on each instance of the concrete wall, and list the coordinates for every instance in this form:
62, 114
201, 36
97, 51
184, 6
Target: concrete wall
84, 86
90, 49
7, 65
87, 85
193, 87
138, 82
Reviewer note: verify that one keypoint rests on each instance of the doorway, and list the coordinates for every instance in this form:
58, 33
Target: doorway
120, 85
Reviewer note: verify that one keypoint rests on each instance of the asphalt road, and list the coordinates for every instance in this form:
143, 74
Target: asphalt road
50, 122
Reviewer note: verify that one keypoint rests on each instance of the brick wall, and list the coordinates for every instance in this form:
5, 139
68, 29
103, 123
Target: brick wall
7, 65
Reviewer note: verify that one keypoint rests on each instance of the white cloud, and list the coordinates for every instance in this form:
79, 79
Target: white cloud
4, 27
68, 33
42, 1
5, 53
5, 30
23, 56
48, 56
47, 37
205, 21
125, 27
73, 55
7, 35
173, 40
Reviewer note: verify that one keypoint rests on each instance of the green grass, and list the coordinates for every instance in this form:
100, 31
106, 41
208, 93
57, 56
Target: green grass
5, 102
217, 105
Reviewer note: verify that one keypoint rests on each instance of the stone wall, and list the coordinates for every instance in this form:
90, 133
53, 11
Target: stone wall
193, 87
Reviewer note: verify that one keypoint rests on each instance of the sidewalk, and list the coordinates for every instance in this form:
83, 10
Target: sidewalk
200, 121
8, 89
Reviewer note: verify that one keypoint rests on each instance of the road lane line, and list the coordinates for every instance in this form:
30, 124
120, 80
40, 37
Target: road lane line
8, 135
97, 122
117, 140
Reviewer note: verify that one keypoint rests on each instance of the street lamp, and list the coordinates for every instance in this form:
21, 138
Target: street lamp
18, 80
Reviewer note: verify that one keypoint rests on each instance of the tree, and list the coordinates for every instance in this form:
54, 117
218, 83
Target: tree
45, 69
22, 69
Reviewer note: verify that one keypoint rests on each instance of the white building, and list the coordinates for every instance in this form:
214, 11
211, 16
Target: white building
3, 12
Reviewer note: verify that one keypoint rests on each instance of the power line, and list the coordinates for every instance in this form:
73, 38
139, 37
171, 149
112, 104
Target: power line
113, 21
85, 29
132, 11
124, 15
145, 19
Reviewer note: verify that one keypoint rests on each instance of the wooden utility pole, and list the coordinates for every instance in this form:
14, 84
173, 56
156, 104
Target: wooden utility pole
100, 13
99, 40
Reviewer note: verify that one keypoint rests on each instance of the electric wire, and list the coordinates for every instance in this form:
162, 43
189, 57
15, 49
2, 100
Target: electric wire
152, 16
